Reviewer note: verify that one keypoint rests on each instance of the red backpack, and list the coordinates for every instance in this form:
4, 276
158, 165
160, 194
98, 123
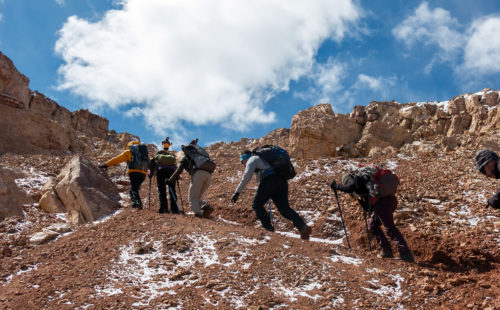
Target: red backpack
381, 182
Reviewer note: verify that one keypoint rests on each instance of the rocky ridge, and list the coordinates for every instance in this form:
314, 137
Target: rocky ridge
142, 259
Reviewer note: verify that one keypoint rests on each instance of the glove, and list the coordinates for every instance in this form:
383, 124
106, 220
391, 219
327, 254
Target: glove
103, 167
333, 185
491, 203
235, 197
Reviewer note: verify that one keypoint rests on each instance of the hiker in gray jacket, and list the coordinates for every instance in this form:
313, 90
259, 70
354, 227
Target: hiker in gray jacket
271, 186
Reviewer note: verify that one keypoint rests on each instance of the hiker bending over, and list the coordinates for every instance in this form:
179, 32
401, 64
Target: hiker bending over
164, 165
488, 164
197, 163
361, 182
136, 156
271, 186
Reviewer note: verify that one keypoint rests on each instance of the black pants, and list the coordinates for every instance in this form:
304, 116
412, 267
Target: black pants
136, 179
276, 188
161, 176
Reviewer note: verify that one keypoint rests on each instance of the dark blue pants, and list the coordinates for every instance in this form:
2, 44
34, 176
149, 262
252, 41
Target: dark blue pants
276, 188
384, 208
136, 179
161, 176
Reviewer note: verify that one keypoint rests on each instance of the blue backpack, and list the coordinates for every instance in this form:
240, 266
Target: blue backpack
278, 159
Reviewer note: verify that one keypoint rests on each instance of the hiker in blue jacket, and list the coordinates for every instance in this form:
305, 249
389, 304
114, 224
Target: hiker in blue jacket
271, 186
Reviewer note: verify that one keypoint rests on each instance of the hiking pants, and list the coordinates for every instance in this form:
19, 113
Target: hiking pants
276, 188
200, 181
161, 176
136, 179
384, 209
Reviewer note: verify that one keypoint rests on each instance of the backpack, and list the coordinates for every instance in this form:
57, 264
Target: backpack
165, 158
199, 156
278, 158
140, 157
381, 182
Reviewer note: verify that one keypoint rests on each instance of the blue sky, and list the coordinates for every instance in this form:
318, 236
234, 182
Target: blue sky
222, 70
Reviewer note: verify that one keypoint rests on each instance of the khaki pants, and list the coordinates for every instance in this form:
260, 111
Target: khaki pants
200, 181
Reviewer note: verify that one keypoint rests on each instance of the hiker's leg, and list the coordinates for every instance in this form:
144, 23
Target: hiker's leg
162, 192
262, 194
280, 199
389, 204
195, 192
206, 178
171, 192
374, 227
136, 179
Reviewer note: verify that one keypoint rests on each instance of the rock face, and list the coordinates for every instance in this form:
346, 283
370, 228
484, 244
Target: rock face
385, 127
32, 122
82, 191
11, 197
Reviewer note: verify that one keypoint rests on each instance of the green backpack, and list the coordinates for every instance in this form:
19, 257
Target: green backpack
165, 158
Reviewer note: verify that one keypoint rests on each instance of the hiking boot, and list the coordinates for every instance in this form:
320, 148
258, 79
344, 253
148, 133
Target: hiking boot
386, 254
305, 232
207, 211
406, 257
161, 211
270, 228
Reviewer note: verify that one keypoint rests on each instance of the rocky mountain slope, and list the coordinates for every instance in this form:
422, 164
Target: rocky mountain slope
139, 259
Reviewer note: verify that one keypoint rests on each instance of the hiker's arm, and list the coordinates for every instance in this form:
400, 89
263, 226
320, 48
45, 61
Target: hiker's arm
125, 156
495, 200
350, 187
182, 165
247, 175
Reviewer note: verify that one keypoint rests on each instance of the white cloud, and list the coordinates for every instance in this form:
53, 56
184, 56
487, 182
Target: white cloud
482, 51
203, 62
433, 28
60, 2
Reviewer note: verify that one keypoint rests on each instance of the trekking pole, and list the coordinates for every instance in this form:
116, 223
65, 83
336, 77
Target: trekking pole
149, 195
367, 234
270, 212
180, 195
173, 196
342, 217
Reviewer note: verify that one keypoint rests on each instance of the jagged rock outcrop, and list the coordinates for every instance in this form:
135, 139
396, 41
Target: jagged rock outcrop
385, 127
31, 122
318, 132
82, 191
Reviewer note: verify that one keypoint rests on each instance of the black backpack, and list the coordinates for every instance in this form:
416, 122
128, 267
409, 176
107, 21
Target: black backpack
199, 156
140, 157
278, 159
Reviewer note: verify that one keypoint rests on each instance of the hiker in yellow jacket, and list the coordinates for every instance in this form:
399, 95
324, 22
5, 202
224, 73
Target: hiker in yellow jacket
136, 156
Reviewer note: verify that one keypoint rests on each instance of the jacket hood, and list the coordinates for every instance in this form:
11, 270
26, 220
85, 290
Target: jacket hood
132, 142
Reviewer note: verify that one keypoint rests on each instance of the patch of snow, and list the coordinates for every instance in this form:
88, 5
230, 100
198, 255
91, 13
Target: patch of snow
346, 260
391, 164
33, 183
228, 222
392, 292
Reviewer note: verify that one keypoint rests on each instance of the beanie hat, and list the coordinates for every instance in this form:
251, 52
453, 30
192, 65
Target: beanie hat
483, 157
194, 142
246, 154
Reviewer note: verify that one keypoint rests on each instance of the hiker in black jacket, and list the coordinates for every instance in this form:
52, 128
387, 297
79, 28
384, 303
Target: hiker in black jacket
163, 164
383, 214
271, 186
488, 164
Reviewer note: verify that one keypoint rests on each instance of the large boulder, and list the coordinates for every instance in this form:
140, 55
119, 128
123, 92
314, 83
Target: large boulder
12, 198
318, 132
82, 190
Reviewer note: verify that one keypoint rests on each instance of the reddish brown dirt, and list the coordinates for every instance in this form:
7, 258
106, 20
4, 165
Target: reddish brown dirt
138, 259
